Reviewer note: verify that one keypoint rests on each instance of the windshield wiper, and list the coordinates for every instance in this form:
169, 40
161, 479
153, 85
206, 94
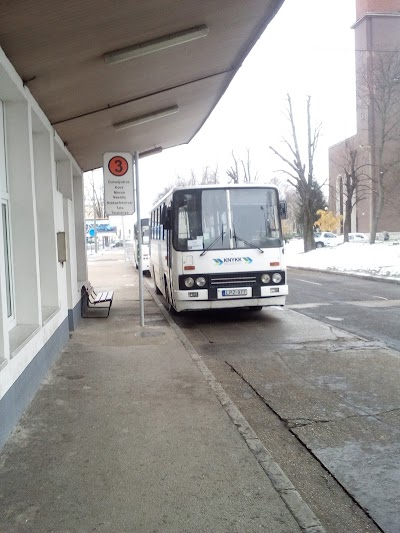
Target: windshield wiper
220, 236
245, 242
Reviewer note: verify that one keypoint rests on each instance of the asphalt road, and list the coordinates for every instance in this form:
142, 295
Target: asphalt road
367, 308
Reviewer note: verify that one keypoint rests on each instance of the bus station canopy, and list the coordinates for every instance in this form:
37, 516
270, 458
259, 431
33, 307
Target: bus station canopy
129, 75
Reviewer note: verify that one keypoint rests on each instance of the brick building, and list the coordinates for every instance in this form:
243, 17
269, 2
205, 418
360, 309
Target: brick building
377, 57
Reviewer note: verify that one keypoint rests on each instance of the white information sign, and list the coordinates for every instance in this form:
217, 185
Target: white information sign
118, 183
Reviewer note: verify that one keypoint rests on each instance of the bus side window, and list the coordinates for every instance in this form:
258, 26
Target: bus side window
159, 228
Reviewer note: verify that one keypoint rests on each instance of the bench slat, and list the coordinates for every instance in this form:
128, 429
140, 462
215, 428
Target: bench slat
104, 297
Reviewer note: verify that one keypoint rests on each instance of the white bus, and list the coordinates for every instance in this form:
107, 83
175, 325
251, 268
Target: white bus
145, 244
214, 247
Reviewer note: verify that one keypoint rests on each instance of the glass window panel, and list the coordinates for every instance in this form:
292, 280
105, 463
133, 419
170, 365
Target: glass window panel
7, 258
255, 218
215, 219
201, 220
3, 174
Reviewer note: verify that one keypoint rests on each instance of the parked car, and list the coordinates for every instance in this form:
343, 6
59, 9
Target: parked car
117, 244
325, 238
358, 237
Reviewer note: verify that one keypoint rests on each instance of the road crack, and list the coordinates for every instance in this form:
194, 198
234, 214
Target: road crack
293, 423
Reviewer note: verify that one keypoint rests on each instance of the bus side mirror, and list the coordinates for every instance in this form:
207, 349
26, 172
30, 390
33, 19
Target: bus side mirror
166, 219
283, 209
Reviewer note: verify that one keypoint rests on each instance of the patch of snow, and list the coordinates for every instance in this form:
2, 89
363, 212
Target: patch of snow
381, 259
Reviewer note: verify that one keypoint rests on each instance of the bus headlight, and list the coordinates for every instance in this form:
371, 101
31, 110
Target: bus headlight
189, 282
276, 278
265, 278
200, 282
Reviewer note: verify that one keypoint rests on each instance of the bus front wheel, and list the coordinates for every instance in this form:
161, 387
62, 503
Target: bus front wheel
170, 307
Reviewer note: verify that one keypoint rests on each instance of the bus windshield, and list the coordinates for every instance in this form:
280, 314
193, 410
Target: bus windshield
226, 218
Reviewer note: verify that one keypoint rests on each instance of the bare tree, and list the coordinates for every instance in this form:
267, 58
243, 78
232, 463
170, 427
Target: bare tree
94, 197
303, 181
288, 193
208, 177
241, 171
379, 96
233, 172
162, 193
180, 181
355, 173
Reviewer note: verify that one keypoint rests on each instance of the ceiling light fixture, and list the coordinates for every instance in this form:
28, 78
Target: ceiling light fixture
146, 118
138, 50
152, 151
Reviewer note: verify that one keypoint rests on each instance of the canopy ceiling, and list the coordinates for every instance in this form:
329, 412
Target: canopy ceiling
58, 49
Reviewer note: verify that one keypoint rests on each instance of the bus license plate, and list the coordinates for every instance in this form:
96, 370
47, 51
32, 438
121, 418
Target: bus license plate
229, 293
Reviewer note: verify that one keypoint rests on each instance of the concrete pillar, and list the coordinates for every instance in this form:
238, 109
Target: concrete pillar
79, 211
47, 246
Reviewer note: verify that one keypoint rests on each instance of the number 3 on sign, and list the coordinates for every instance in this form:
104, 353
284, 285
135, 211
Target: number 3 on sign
118, 165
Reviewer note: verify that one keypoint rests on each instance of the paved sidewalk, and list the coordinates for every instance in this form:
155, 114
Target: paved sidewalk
126, 435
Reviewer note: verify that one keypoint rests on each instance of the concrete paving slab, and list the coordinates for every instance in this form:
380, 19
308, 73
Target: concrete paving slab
126, 435
342, 401
366, 379
284, 327
364, 455
296, 400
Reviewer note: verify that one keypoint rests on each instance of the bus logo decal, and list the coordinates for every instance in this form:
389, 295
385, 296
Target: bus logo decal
247, 260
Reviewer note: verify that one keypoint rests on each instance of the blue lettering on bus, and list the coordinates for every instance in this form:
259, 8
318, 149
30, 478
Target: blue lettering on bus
247, 260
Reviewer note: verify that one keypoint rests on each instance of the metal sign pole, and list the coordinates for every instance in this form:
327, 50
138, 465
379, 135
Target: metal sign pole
94, 217
139, 238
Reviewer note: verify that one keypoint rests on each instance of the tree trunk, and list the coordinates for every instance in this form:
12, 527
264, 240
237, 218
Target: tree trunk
347, 220
374, 227
379, 207
377, 216
308, 235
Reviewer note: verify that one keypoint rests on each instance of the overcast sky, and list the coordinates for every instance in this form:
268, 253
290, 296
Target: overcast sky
308, 49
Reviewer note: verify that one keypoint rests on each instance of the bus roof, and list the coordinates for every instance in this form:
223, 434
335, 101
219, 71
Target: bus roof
214, 186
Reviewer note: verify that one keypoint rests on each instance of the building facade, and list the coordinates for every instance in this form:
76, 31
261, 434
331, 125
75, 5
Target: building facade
377, 141
42, 245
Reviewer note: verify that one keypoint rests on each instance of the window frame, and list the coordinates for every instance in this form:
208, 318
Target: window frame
7, 251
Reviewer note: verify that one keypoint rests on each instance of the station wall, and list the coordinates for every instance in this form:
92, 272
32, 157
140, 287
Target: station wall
41, 195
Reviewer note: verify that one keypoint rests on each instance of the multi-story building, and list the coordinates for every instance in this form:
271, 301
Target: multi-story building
377, 141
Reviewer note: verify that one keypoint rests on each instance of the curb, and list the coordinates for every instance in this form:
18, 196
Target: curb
350, 274
300, 510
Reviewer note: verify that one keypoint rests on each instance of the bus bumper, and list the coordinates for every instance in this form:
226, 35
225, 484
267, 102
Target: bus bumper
198, 299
